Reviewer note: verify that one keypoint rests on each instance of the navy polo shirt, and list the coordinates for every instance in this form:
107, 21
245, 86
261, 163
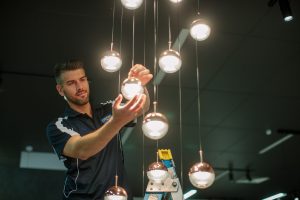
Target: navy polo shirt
87, 179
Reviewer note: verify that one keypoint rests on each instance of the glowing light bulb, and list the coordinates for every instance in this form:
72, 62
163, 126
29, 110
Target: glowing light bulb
115, 193
157, 172
132, 4
201, 175
155, 125
176, 1
131, 87
288, 18
111, 61
199, 30
170, 61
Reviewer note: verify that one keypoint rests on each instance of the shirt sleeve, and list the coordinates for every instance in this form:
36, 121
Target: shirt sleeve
58, 133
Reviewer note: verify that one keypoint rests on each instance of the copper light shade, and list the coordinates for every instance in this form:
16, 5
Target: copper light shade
201, 175
155, 125
115, 193
157, 172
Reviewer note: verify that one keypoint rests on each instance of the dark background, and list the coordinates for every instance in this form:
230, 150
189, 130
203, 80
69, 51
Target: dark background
249, 82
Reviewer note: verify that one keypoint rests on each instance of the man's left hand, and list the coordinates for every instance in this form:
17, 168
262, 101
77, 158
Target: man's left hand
140, 72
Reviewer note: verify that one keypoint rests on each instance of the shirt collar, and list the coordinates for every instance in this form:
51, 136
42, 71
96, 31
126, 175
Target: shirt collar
70, 112
73, 113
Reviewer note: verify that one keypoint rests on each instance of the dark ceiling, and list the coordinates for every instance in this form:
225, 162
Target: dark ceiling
249, 83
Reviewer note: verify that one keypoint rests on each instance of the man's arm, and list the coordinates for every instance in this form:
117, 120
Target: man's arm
83, 147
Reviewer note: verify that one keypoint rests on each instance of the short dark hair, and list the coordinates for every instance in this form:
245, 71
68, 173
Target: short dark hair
70, 65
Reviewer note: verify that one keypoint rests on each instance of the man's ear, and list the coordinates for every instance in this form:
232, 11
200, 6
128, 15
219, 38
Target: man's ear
60, 90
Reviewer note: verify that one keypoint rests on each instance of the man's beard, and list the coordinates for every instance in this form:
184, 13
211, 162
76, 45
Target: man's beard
79, 102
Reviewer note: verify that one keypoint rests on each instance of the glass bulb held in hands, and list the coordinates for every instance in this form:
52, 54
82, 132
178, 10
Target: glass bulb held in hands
131, 87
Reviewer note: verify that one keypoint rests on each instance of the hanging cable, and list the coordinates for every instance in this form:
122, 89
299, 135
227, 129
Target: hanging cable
155, 59
198, 100
133, 21
144, 57
198, 7
180, 103
143, 156
156, 32
121, 37
170, 39
121, 29
180, 126
118, 138
178, 23
201, 174
111, 48
113, 26
155, 41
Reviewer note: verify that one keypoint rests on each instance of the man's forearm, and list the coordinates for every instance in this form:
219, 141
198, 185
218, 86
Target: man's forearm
86, 146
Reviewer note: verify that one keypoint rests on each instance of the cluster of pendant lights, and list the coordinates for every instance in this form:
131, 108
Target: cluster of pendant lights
155, 125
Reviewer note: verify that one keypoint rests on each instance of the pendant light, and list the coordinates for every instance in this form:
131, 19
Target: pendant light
111, 60
176, 1
157, 171
115, 192
132, 86
143, 113
201, 174
155, 125
132, 4
170, 60
199, 29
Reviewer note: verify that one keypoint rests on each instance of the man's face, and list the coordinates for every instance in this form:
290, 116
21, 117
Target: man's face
74, 86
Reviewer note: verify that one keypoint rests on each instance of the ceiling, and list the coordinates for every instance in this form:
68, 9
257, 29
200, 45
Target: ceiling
249, 83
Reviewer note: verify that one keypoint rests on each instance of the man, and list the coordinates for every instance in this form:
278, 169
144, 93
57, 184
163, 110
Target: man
85, 137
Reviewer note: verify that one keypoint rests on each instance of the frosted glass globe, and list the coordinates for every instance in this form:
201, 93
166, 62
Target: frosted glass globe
201, 175
288, 18
155, 125
157, 172
131, 87
176, 1
111, 61
132, 4
115, 193
199, 30
170, 61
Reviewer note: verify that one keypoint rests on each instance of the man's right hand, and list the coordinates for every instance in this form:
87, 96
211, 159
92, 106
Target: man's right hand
123, 114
